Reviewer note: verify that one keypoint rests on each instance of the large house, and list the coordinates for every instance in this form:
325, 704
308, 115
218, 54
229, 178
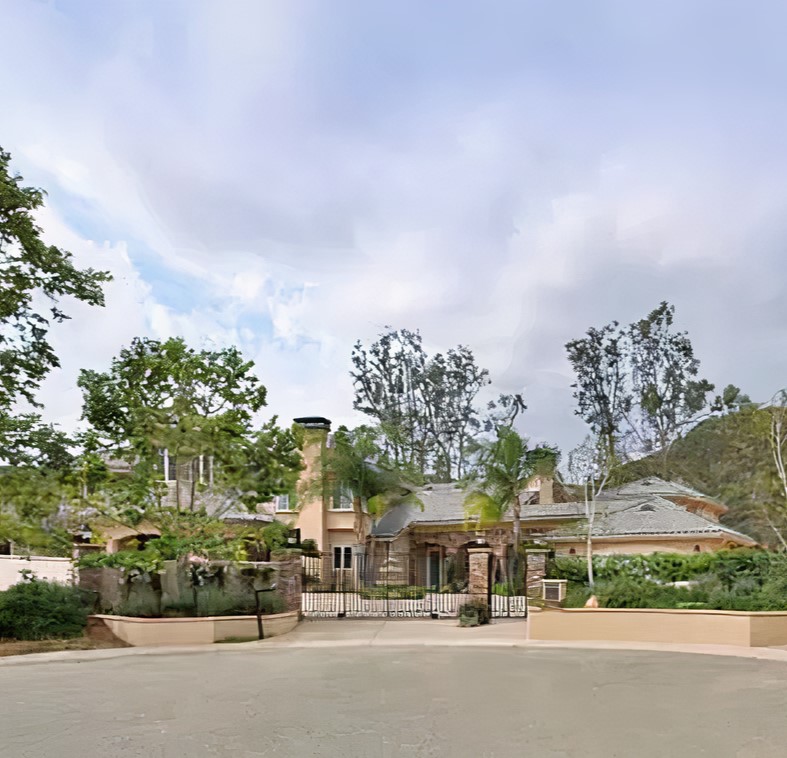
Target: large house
321, 509
432, 540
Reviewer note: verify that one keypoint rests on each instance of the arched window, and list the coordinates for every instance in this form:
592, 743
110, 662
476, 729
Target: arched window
696, 548
572, 551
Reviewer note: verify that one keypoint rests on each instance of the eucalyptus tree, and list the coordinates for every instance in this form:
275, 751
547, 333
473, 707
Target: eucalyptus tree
425, 406
638, 387
670, 397
602, 388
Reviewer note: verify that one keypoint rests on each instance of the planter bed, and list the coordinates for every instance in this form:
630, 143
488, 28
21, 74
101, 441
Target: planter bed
203, 630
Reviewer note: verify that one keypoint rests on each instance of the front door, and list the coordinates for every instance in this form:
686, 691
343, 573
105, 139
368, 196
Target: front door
433, 569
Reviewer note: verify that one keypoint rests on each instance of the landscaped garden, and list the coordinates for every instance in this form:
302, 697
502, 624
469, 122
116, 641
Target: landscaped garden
197, 567
737, 580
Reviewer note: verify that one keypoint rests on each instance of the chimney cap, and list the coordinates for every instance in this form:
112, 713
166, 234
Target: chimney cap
314, 422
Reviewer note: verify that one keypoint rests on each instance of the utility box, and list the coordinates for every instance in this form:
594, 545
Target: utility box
553, 590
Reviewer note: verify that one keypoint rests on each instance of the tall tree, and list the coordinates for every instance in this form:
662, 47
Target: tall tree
777, 513
602, 388
194, 404
387, 378
669, 395
31, 273
425, 406
591, 465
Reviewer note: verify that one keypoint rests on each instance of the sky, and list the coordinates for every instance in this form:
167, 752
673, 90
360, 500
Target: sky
291, 177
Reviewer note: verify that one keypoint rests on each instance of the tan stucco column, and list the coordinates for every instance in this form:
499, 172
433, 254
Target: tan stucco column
478, 586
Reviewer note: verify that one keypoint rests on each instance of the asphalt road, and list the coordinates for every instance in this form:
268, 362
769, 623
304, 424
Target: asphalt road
370, 702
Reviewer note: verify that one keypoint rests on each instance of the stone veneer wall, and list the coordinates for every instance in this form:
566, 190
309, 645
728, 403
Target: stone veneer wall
172, 588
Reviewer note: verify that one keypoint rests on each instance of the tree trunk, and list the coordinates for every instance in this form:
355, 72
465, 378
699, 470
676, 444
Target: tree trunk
590, 513
517, 523
177, 485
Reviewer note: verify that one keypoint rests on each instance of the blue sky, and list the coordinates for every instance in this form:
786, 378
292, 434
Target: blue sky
293, 176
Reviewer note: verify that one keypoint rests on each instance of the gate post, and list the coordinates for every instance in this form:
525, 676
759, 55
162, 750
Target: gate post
478, 581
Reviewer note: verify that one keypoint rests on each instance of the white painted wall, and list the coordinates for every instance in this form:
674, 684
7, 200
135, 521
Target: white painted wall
51, 569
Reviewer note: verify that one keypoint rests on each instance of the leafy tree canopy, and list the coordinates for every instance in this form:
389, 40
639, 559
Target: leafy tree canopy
167, 395
425, 406
31, 273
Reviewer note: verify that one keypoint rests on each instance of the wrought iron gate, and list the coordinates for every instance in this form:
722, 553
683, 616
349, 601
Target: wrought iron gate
391, 585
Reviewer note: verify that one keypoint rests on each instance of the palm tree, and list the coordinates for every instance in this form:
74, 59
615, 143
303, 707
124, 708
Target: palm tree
506, 466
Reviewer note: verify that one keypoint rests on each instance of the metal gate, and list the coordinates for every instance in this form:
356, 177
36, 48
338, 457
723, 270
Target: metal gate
508, 595
391, 585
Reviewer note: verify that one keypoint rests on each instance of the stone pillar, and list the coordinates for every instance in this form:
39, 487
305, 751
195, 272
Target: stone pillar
289, 580
478, 586
536, 568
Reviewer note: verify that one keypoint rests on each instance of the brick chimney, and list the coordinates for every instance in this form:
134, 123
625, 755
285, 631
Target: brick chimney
546, 490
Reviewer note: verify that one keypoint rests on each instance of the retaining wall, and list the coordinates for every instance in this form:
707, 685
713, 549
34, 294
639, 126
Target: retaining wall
661, 625
141, 632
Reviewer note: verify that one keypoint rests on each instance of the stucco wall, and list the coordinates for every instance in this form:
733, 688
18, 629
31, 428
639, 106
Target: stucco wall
195, 631
639, 547
51, 569
654, 625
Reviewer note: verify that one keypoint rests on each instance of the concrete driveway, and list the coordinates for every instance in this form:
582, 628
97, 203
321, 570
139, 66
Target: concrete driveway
369, 701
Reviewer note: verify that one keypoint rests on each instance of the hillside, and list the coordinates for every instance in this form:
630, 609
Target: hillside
728, 458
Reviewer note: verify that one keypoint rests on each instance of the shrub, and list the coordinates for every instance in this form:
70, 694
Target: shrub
576, 595
475, 608
309, 548
38, 610
131, 561
730, 567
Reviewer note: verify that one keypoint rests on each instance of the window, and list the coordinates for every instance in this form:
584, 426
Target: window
342, 499
283, 503
572, 551
342, 557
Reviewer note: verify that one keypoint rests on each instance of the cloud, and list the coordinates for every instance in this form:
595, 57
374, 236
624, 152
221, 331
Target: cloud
294, 177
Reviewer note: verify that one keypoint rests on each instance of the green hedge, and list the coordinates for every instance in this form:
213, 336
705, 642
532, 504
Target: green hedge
739, 580
728, 565
38, 610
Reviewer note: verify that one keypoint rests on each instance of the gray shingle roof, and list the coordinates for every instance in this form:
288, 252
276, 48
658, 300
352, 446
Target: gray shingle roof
650, 515
444, 504
653, 485
630, 510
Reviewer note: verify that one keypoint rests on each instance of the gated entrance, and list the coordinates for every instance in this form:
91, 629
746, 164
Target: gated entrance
392, 584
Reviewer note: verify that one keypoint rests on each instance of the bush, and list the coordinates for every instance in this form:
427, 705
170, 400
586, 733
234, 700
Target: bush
473, 609
310, 549
739, 587
728, 565
37, 610
131, 561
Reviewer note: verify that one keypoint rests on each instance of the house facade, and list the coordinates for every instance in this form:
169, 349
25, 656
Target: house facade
646, 516
320, 508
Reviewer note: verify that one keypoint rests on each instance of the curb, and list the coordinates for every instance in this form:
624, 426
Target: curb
86, 656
